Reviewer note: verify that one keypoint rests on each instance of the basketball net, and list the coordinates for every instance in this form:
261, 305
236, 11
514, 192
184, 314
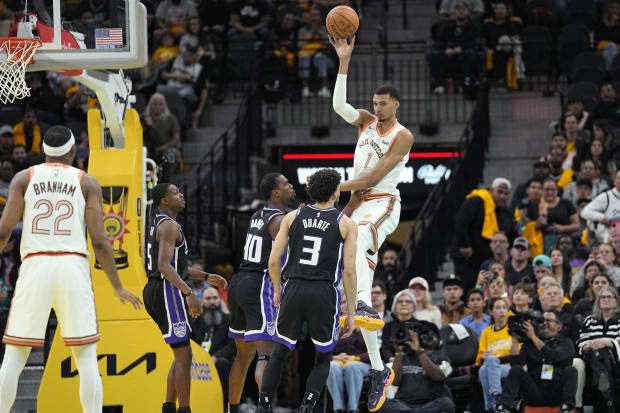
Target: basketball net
15, 54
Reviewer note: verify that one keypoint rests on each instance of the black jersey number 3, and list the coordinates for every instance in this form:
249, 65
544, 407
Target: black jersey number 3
313, 250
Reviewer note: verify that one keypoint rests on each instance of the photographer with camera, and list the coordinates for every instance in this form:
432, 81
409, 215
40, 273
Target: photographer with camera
420, 371
550, 378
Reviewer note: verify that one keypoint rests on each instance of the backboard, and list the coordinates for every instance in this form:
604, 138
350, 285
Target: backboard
82, 34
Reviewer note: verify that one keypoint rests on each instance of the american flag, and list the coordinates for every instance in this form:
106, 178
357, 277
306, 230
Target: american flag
108, 38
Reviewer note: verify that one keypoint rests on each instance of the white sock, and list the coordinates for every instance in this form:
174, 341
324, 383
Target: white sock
91, 392
15, 358
365, 241
372, 346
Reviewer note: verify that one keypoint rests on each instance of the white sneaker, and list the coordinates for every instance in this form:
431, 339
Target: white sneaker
305, 92
324, 93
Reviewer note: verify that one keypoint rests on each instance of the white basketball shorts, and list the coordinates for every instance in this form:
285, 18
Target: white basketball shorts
60, 281
381, 214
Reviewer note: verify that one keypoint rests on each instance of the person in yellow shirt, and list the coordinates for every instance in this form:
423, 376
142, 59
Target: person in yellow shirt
495, 343
28, 133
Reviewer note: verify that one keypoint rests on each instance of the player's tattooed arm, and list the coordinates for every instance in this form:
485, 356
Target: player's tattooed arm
14, 208
401, 145
277, 251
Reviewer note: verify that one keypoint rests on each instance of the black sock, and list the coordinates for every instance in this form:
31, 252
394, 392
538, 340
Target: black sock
233, 408
185, 409
169, 408
265, 400
310, 398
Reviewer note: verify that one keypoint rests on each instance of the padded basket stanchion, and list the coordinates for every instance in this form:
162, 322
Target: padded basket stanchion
15, 54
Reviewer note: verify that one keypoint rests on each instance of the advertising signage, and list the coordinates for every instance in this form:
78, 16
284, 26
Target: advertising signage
423, 170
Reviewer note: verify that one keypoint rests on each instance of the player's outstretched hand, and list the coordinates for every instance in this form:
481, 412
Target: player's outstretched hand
124, 295
217, 280
194, 305
349, 326
344, 49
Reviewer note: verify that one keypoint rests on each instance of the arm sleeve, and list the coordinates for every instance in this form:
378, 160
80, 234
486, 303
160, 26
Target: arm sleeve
346, 111
594, 211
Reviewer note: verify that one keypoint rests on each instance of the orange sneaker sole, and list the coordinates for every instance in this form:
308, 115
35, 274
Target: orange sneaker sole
367, 323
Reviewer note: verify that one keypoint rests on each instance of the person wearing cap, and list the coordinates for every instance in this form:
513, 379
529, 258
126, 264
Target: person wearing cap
452, 309
541, 170
481, 215
553, 215
590, 181
542, 266
519, 267
6, 140
425, 310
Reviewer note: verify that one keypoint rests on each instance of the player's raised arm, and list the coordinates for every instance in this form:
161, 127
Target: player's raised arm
400, 147
348, 229
14, 208
101, 246
357, 117
277, 251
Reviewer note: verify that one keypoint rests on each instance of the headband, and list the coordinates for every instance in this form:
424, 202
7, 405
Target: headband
59, 150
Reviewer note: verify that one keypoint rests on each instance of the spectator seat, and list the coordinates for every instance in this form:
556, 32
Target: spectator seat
11, 114
589, 59
461, 352
588, 74
140, 104
588, 91
543, 13
530, 409
176, 105
580, 5
572, 40
537, 47
580, 17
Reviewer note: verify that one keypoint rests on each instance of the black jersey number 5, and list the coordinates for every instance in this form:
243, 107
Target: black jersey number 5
313, 250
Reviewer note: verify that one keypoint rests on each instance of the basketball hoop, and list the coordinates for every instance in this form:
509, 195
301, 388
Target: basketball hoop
17, 54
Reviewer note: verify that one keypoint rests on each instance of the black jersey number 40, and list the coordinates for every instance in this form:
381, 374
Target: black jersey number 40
313, 250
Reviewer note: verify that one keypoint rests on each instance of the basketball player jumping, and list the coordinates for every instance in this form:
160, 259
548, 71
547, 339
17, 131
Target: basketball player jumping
167, 297
321, 241
250, 295
56, 203
381, 153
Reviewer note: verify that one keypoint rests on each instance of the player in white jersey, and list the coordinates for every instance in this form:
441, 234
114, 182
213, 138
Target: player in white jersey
381, 153
56, 203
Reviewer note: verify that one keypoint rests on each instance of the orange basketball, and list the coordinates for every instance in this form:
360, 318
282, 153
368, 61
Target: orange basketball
342, 22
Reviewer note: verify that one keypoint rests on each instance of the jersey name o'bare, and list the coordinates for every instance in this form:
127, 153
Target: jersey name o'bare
47, 187
316, 223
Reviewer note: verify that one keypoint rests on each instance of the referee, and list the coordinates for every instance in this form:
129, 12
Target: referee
320, 240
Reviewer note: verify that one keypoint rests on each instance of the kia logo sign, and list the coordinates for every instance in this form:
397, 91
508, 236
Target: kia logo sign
431, 175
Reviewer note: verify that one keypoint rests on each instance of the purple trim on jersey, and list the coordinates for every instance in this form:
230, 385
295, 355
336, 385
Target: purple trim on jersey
340, 216
335, 330
269, 312
274, 215
234, 335
179, 328
340, 266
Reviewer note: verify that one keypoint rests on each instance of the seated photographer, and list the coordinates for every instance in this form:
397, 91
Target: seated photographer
599, 344
347, 369
452, 309
477, 320
583, 308
403, 307
550, 378
420, 371
495, 343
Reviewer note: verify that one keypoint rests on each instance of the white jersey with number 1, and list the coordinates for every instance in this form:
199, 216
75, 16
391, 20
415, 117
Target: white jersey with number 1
54, 211
371, 147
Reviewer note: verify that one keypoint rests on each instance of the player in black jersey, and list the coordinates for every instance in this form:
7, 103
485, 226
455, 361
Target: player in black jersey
167, 297
250, 294
321, 243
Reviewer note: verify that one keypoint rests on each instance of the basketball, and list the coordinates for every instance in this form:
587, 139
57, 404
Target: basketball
342, 22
